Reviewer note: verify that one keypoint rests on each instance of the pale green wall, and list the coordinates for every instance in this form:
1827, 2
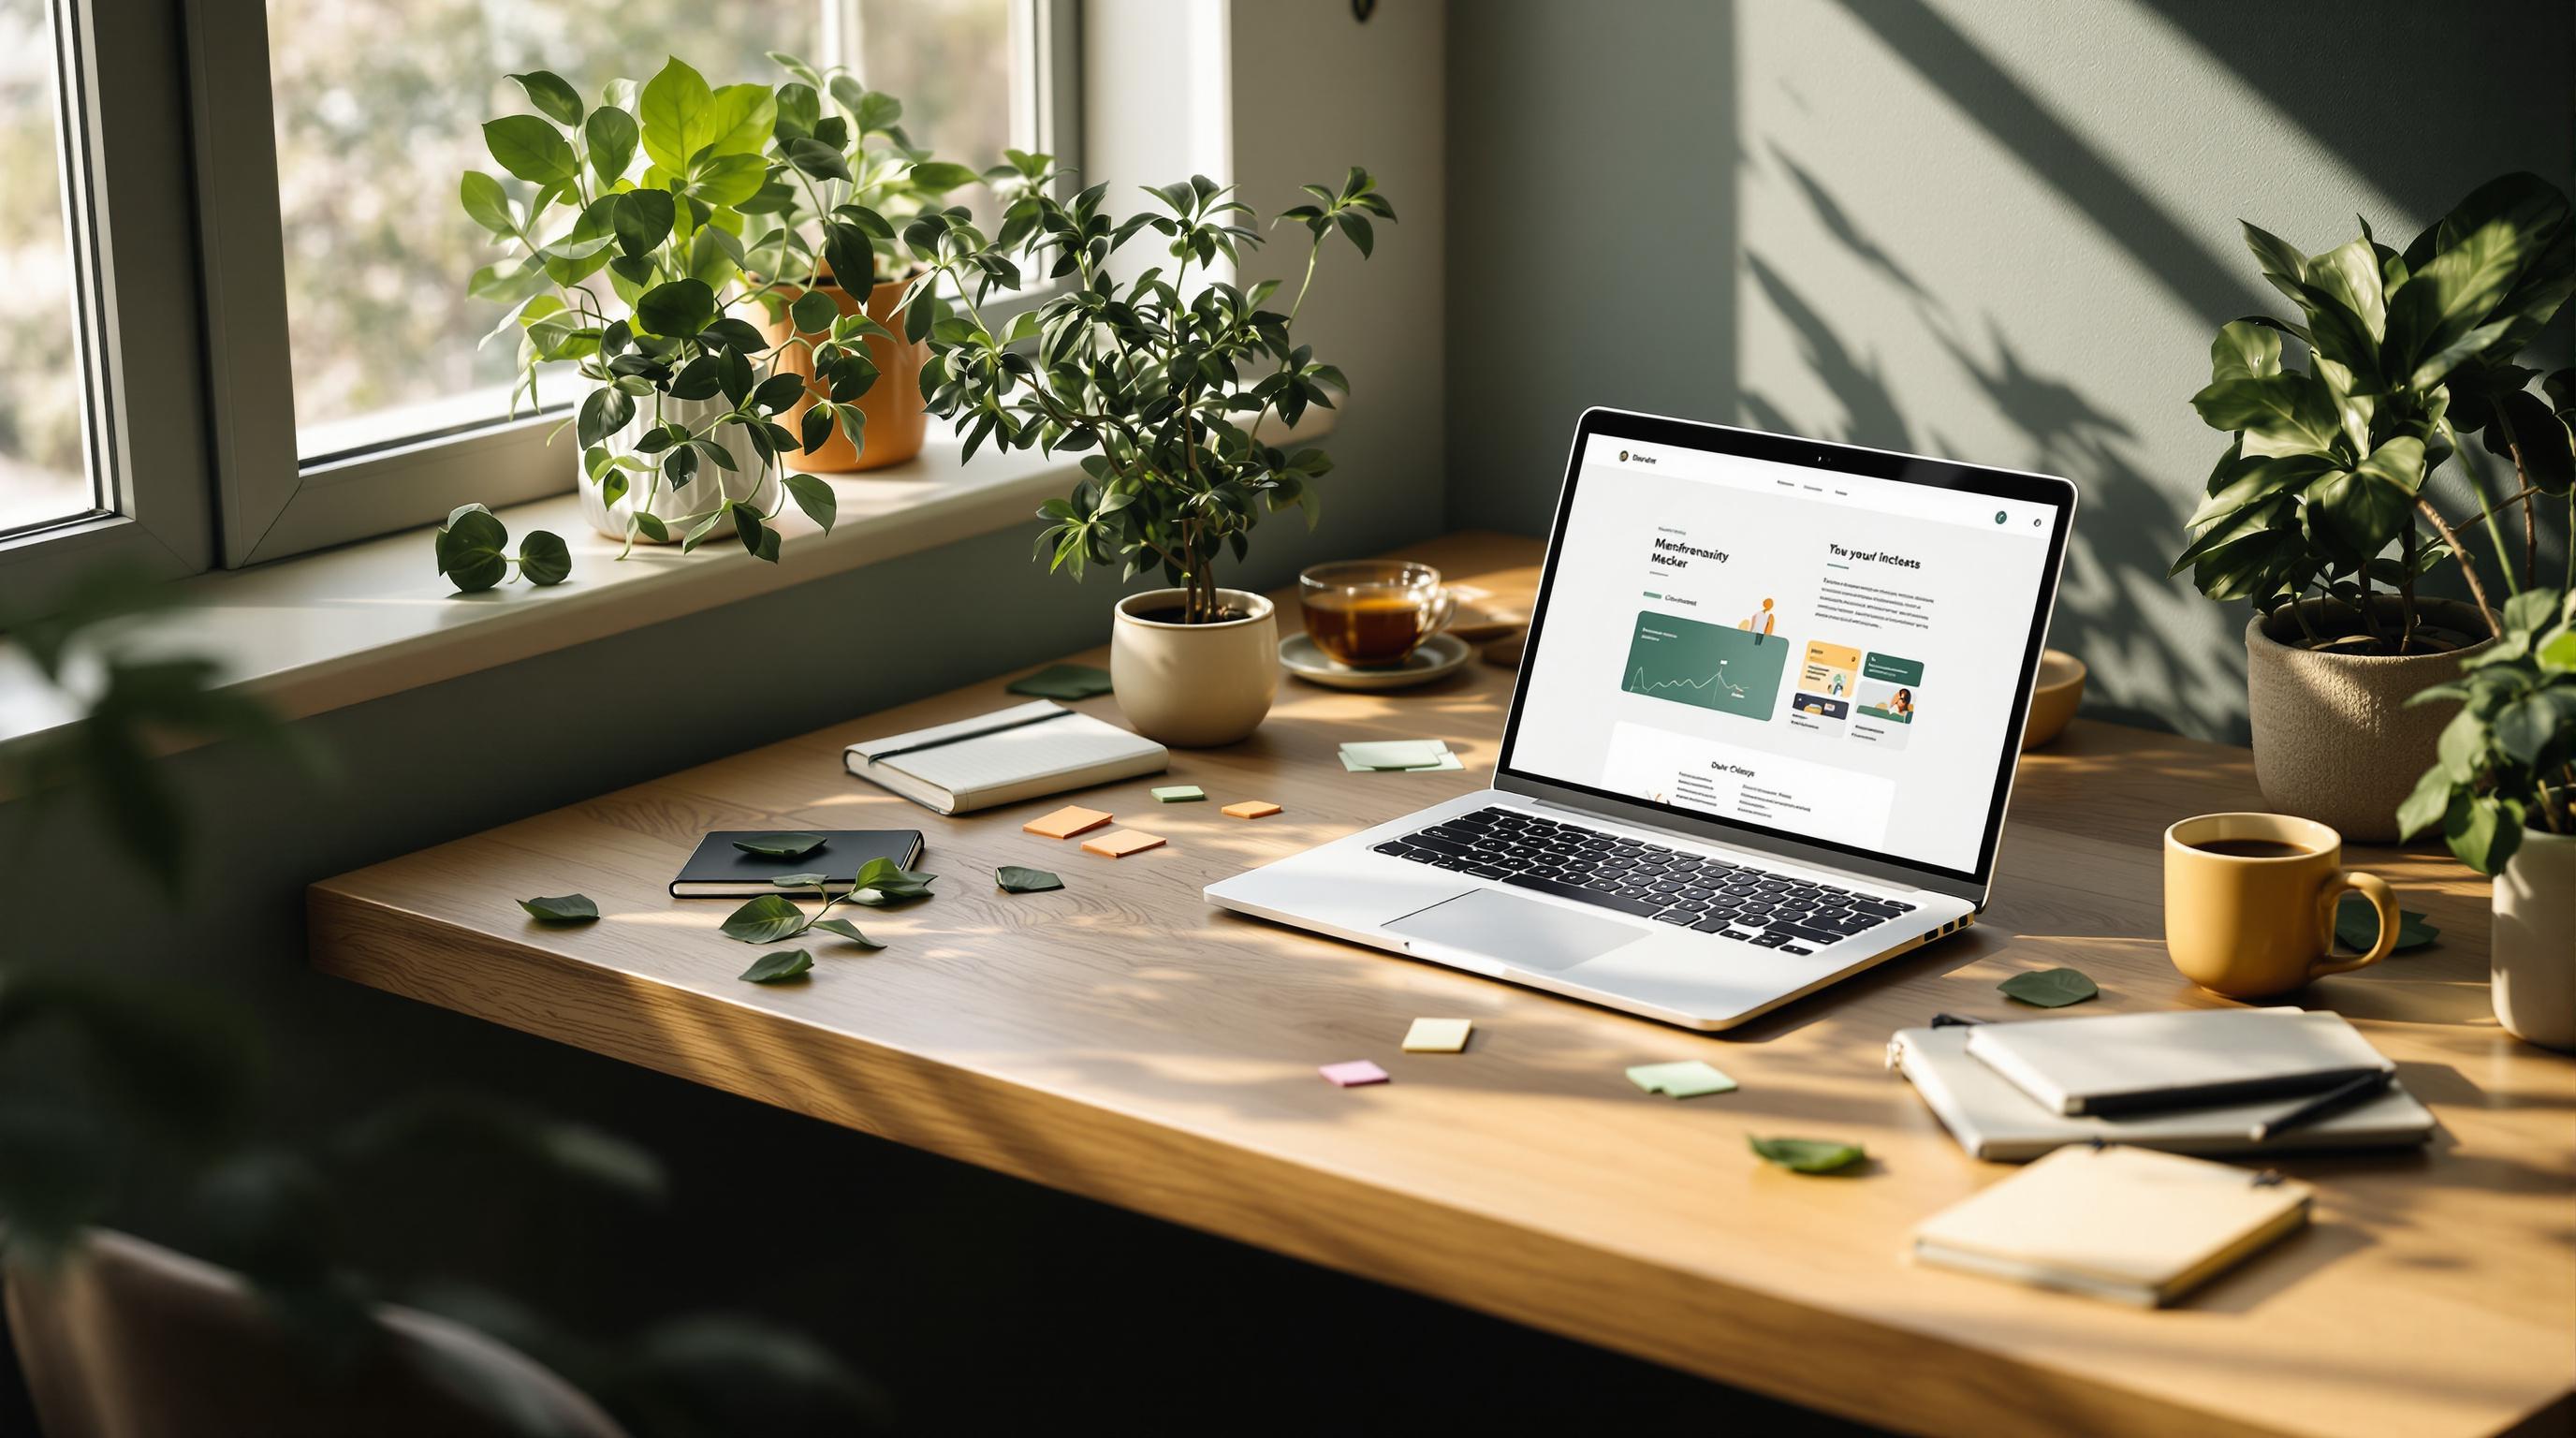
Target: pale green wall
2001, 230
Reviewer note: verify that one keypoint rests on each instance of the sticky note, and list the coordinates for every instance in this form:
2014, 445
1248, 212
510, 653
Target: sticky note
1122, 843
1394, 753
1066, 822
1445, 761
1687, 1079
1354, 1073
1437, 1036
1179, 794
1251, 809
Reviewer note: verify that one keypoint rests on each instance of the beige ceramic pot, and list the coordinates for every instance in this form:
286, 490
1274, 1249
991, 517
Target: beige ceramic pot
1194, 685
753, 479
2534, 947
2333, 738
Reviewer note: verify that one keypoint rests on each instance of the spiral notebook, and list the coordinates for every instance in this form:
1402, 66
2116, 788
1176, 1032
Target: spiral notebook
1003, 757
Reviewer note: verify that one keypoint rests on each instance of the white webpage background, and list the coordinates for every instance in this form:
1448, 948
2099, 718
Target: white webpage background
1980, 580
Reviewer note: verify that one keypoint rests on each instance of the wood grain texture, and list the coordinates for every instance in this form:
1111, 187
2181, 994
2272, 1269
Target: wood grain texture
1122, 1040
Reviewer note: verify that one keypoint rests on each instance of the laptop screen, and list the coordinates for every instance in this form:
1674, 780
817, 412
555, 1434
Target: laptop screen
1811, 641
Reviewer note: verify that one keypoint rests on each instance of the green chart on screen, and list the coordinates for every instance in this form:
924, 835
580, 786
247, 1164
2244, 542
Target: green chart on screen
1706, 666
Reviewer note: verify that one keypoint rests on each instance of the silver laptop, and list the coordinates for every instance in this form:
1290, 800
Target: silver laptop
1762, 739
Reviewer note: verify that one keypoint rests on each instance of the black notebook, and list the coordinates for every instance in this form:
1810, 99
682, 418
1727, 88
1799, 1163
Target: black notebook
723, 869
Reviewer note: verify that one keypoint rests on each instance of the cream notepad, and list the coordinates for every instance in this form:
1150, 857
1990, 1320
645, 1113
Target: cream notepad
1004, 757
2127, 1224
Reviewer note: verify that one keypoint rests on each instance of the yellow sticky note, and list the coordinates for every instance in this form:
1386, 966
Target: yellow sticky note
1437, 1036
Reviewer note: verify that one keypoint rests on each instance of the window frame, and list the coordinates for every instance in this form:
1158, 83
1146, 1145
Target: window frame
127, 200
273, 503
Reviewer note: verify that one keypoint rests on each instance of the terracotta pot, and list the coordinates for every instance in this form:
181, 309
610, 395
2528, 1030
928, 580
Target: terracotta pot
2333, 738
896, 420
2534, 946
1194, 685
753, 480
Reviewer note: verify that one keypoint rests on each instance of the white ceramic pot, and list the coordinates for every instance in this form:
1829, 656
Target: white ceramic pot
1194, 685
2333, 738
755, 481
2534, 945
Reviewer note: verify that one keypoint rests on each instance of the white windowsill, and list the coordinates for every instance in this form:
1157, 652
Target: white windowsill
347, 625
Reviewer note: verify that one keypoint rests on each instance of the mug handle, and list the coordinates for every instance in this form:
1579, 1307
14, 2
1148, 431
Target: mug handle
1443, 609
2382, 899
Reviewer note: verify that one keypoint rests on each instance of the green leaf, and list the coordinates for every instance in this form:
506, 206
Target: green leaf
612, 137
472, 547
814, 312
884, 881
1807, 1155
486, 203
2525, 727
677, 310
531, 149
773, 968
801, 881
2050, 988
2244, 350
2357, 926
780, 846
2425, 806
938, 177
2483, 831
674, 109
2280, 414
562, 909
1355, 227
778, 393
2461, 748
813, 157
544, 559
764, 920
748, 525
605, 412
651, 527
643, 220
547, 91
2453, 292
1016, 880
2370, 503
849, 931
739, 119
813, 494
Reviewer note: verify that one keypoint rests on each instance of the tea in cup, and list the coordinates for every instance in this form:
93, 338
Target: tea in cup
1372, 613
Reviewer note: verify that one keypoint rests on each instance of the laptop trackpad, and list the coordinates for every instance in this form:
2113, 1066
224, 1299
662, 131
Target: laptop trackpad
1521, 932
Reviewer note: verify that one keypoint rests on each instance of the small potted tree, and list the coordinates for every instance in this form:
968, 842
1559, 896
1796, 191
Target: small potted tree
2503, 793
2317, 513
1167, 388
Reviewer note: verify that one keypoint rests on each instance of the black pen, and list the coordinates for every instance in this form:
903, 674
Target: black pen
2332, 1101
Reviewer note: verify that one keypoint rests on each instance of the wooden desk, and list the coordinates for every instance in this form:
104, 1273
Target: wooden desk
1122, 1040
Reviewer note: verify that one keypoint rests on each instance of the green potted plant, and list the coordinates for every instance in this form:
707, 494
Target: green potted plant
2503, 792
1166, 389
2317, 512
630, 260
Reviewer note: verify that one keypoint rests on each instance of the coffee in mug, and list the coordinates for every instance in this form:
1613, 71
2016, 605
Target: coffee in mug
2250, 903
1372, 613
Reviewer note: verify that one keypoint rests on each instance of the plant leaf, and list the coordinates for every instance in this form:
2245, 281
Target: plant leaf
801, 881
847, 930
884, 882
2357, 926
1016, 880
562, 909
2050, 988
764, 920
780, 846
1807, 1155
531, 149
544, 559
772, 968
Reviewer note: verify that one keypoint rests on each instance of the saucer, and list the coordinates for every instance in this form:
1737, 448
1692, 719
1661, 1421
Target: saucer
1439, 655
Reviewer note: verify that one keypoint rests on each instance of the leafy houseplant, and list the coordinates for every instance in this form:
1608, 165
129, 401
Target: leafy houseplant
1166, 389
637, 246
2503, 791
2318, 513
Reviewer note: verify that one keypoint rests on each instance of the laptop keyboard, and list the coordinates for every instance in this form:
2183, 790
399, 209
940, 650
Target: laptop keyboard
1653, 881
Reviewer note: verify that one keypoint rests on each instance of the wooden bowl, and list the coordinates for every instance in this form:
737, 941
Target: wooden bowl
2059, 689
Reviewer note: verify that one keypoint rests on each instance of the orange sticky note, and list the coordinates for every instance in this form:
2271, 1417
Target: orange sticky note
1122, 844
1066, 822
1251, 809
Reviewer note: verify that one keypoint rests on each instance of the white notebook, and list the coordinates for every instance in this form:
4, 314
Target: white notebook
1999, 1123
1003, 757
2136, 1063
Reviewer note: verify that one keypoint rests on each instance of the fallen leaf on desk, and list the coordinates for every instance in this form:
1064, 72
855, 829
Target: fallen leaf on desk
785, 964
847, 930
780, 846
1016, 880
764, 920
1063, 681
2357, 927
2050, 988
1807, 1155
562, 909
884, 882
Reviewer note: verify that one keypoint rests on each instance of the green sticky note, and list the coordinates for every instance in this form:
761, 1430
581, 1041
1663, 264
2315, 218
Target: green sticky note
1063, 681
1395, 753
1179, 794
1687, 1079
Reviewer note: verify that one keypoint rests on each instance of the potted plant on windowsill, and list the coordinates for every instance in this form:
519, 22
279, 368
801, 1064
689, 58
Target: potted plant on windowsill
630, 264
2317, 512
1167, 389
2503, 792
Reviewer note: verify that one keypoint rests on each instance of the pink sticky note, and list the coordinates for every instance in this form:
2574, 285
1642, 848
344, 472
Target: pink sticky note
1354, 1073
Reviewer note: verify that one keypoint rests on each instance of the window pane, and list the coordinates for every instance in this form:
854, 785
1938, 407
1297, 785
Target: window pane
44, 473
952, 64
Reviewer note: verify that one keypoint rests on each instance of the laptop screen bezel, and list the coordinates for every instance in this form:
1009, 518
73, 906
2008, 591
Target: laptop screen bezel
1826, 457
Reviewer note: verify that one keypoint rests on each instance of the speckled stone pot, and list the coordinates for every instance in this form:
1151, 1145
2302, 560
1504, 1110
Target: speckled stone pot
2333, 738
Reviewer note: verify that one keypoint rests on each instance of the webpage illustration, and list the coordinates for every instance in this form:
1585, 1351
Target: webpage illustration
1830, 656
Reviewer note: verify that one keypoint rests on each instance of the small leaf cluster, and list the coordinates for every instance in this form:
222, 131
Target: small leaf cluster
2507, 761
2406, 352
1162, 385
474, 552
772, 918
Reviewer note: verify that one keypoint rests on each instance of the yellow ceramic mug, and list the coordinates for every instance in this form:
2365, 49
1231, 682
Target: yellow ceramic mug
2250, 902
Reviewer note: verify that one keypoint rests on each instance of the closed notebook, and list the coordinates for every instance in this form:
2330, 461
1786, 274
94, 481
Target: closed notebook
1003, 757
2127, 1224
719, 870
2136, 1063
1995, 1121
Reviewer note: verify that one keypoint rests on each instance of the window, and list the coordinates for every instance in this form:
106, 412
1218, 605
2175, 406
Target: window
359, 396
45, 475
